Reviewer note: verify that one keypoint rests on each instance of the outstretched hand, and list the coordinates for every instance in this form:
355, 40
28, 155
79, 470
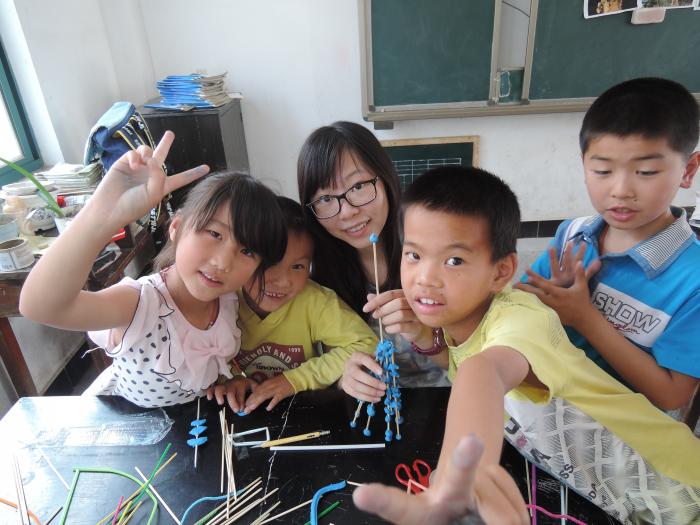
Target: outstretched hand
486, 494
136, 183
571, 303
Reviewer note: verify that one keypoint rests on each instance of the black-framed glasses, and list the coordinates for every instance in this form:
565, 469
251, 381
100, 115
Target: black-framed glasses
359, 194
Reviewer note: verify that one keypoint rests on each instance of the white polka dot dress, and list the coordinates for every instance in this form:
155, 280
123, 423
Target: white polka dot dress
162, 359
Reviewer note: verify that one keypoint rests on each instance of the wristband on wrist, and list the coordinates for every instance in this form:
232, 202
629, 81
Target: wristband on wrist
439, 344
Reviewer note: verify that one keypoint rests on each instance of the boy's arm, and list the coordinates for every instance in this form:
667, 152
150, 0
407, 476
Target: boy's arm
475, 407
667, 389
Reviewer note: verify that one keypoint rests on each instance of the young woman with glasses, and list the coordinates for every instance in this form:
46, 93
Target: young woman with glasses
349, 190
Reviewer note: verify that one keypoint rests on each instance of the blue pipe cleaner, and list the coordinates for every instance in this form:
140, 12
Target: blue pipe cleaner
317, 497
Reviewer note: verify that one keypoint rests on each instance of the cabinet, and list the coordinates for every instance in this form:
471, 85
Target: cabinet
202, 136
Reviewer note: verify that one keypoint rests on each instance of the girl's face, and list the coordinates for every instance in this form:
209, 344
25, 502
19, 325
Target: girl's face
212, 262
355, 224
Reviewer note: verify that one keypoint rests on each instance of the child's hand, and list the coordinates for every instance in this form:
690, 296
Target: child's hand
461, 490
572, 303
357, 382
397, 316
563, 272
136, 183
276, 388
233, 390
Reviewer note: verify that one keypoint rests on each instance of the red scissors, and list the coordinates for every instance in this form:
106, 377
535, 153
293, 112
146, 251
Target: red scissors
422, 471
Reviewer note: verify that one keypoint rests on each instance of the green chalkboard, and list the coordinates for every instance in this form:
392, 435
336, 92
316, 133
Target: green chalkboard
436, 51
413, 157
574, 57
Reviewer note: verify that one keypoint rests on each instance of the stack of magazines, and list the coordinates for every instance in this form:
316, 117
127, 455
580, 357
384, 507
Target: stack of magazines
70, 178
186, 92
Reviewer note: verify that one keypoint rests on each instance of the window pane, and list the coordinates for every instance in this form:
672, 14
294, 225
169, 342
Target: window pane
9, 145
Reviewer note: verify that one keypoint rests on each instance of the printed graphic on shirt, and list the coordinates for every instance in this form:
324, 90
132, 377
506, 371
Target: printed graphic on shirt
269, 360
638, 322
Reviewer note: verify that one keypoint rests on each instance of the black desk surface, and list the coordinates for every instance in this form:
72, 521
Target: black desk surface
66, 429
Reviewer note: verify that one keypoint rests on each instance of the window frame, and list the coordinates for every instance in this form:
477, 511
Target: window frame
31, 158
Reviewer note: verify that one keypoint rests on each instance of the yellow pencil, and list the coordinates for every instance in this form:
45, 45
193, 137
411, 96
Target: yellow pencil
292, 439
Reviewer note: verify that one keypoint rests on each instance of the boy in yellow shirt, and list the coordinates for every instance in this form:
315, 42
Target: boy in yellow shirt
606, 442
296, 334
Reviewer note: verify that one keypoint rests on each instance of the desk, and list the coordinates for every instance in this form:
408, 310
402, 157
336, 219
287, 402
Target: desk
53, 422
11, 285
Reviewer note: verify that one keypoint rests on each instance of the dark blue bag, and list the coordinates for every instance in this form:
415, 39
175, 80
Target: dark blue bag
119, 130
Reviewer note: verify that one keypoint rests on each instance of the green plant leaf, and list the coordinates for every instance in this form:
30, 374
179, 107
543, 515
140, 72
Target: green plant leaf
43, 192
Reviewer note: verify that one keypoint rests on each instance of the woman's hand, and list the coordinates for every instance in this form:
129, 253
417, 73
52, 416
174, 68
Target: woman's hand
233, 391
398, 318
356, 380
276, 389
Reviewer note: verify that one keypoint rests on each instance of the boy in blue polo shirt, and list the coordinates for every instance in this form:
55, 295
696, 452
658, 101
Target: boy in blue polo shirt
626, 282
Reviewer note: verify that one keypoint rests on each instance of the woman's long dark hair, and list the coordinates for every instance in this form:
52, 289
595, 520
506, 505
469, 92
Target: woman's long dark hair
336, 264
256, 218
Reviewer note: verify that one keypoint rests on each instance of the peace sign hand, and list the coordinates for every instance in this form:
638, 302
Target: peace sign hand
136, 183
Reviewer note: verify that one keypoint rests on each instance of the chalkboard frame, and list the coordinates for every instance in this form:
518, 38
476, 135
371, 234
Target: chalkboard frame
555, 104
473, 140
384, 116
373, 113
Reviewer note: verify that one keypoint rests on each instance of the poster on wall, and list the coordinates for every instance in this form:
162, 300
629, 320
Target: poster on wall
595, 8
668, 4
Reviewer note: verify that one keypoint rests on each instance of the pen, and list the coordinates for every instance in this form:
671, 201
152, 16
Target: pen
292, 439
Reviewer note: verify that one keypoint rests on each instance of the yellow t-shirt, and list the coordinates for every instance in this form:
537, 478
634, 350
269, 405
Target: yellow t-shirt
285, 340
519, 320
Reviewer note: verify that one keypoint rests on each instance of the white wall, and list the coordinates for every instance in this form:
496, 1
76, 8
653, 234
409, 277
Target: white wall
297, 64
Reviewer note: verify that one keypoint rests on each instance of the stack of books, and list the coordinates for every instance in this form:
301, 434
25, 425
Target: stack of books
73, 178
186, 92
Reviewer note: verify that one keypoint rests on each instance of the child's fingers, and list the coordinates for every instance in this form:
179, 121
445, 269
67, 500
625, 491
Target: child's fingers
510, 497
364, 392
461, 470
381, 299
525, 287
163, 147
173, 182
392, 504
593, 268
219, 393
274, 401
360, 360
233, 402
144, 152
553, 261
134, 160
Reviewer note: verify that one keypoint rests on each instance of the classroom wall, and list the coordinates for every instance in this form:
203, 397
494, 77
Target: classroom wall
298, 67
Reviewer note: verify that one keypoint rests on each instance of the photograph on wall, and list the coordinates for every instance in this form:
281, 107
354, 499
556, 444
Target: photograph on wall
668, 4
594, 8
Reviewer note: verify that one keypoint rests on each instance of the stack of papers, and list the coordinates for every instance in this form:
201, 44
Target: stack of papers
71, 178
185, 92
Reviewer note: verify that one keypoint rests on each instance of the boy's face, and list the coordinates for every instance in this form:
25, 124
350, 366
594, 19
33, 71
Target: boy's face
446, 270
632, 181
287, 278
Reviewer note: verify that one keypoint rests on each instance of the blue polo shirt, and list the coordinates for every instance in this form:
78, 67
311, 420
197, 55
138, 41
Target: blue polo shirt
650, 293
